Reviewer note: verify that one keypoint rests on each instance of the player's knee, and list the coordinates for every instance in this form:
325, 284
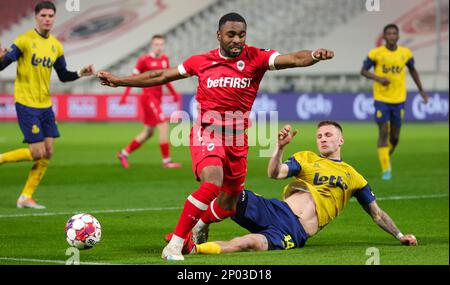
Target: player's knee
212, 174
38, 154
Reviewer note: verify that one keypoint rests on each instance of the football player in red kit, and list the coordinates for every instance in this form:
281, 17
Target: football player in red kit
150, 102
228, 81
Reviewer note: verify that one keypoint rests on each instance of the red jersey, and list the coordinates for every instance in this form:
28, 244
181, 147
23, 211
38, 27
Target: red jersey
228, 85
146, 63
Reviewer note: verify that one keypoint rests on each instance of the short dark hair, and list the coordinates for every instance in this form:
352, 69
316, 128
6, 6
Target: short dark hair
390, 26
231, 17
328, 123
44, 5
158, 36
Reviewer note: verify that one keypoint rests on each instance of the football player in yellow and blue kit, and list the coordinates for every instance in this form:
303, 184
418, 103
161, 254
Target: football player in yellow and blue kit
36, 53
322, 187
389, 91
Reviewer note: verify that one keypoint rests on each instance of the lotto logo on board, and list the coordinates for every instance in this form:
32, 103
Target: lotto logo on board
82, 107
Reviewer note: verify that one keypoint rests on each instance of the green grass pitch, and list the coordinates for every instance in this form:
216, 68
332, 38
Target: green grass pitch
138, 206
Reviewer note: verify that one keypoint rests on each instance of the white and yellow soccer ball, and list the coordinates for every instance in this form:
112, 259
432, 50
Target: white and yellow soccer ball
83, 231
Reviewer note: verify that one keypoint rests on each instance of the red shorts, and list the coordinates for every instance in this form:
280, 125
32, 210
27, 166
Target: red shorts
153, 114
232, 158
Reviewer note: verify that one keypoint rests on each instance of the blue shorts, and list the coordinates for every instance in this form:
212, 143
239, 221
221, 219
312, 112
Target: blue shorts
393, 113
36, 123
272, 218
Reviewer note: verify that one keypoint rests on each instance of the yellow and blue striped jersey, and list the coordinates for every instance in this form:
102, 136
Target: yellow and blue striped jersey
391, 65
331, 183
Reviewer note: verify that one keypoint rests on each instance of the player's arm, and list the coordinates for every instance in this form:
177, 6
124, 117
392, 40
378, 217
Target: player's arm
8, 56
147, 79
365, 71
415, 75
385, 222
302, 58
276, 169
127, 91
65, 75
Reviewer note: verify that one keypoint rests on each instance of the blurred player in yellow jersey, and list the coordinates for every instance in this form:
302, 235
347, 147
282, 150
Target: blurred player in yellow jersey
36, 52
389, 91
322, 187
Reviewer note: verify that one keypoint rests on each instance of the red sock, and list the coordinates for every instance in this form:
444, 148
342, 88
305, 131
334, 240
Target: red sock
216, 214
194, 207
134, 144
164, 150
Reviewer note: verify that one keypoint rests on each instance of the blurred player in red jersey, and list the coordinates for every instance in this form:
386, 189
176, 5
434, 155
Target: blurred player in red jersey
228, 81
150, 102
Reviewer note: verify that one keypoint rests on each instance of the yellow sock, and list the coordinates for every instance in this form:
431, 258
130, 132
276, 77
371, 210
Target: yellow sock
35, 177
208, 248
21, 154
383, 156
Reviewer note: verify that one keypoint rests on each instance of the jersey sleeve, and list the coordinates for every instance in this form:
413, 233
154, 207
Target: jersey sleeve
364, 195
267, 58
410, 58
293, 166
20, 43
190, 66
363, 192
370, 60
13, 55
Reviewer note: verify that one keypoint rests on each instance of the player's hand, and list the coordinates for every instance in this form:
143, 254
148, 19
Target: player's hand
88, 70
424, 96
3, 52
285, 136
384, 81
107, 79
409, 240
323, 54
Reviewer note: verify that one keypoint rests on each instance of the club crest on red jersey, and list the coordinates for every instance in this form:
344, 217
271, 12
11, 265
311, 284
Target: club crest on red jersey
240, 65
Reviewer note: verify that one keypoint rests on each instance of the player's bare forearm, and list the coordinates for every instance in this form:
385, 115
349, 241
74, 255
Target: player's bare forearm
386, 223
273, 169
369, 75
147, 79
381, 218
416, 78
302, 58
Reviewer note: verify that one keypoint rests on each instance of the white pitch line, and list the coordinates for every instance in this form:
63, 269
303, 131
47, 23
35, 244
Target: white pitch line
413, 197
50, 261
92, 211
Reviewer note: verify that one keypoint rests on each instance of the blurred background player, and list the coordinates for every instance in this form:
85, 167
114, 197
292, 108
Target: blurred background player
322, 187
150, 101
389, 91
228, 82
36, 52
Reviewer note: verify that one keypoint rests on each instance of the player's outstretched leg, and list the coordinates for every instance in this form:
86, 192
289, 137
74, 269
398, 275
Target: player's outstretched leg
250, 242
18, 155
